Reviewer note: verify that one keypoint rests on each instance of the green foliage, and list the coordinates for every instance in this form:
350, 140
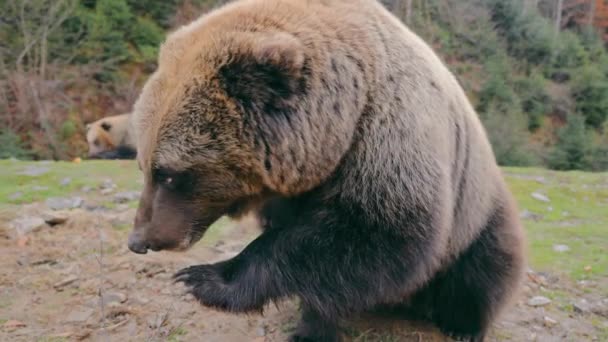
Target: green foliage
11, 146
147, 36
570, 51
534, 98
68, 129
590, 90
497, 92
508, 135
573, 146
528, 35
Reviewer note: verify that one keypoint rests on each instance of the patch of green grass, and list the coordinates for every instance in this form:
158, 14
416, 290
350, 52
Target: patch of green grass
576, 216
176, 334
123, 173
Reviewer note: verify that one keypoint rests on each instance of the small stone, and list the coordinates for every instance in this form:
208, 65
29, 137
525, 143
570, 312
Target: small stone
127, 196
62, 203
53, 218
158, 321
561, 248
107, 184
587, 268
539, 301
113, 297
540, 197
24, 225
65, 282
549, 322
35, 171
106, 191
66, 181
15, 196
79, 315
141, 300
541, 180
13, 324
86, 188
581, 307
528, 215
260, 331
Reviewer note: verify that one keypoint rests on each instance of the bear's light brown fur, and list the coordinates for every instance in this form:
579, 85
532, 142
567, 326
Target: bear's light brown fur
360, 149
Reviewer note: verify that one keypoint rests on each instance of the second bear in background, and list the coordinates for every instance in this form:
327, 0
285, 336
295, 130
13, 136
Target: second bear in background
111, 138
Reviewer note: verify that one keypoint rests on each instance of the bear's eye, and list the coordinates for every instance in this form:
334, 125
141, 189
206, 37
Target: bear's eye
96, 142
172, 180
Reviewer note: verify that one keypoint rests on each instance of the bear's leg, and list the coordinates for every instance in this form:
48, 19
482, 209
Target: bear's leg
336, 265
463, 300
314, 328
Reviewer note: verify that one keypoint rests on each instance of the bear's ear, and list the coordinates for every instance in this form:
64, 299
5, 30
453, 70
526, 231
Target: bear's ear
266, 71
106, 126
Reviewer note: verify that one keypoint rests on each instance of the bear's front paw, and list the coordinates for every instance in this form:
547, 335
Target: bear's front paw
208, 284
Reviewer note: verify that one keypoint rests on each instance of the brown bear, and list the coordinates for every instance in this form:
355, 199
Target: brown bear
111, 138
371, 171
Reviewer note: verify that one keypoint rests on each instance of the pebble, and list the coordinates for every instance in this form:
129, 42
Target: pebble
127, 196
549, 322
113, 297
79, 315
581, 307
53, 218
528, 215
106, 191
260, 331
107, 184
35, 171
66, 181
561, 248
15, 196
540, 197
65, 282
539, 301
63, 203
24, 225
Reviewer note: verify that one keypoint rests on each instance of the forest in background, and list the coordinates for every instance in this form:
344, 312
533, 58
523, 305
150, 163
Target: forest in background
540, 87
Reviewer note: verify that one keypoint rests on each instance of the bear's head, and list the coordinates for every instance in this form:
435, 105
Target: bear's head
99, 137
224, 123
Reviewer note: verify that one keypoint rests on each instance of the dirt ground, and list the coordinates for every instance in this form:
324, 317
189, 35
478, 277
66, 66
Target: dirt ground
74, 279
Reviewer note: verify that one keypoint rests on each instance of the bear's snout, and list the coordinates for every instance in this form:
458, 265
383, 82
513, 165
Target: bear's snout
137, 243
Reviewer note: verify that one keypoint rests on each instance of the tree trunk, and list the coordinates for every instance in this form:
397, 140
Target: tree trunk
558, 16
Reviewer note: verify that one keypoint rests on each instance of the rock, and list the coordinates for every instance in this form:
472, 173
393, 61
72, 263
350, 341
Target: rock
35, 171
561, 248
141, 300
541, 180
528, 215
107, 184
260, 331
12, 324
17, 195
63, 203
86, 188
24, 225
158, 321
539, 301
53, 218
549, 322
165, 291
127, 196
66, 181
113, 297
65, 282
587, 268
540, 197
106, 191
582, 307
79, 315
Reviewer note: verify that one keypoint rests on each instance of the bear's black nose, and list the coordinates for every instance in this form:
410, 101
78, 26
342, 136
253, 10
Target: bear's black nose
137, 244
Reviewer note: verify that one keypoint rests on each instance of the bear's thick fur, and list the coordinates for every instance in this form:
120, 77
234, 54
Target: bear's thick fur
371, 171
111, 138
